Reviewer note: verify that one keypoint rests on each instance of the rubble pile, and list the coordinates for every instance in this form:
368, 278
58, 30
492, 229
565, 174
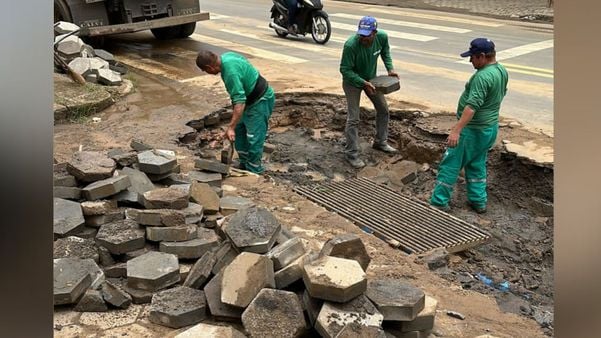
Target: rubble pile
129, 228
94, 65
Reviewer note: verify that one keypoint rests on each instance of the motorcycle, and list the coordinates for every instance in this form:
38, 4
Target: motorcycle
310, 17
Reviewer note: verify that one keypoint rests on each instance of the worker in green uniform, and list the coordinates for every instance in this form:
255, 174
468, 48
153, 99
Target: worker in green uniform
358, 65
252, 99
475, 133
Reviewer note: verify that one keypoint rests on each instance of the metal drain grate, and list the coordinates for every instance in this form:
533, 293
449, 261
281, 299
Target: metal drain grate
413, 225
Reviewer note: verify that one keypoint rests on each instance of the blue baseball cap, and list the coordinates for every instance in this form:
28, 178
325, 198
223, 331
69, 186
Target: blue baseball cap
367, 24
479, 46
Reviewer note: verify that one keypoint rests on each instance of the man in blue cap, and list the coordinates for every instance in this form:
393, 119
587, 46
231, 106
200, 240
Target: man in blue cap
475, 132
358, 65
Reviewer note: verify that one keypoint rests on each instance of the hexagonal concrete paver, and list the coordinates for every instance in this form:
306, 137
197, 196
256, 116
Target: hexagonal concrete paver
165, 198
396, 300
91, 166
423, 322
121, 236
156, 162
334, 279
286, 253
153, 271
68, 218
244, 277
333, 317
75, 247
232, 204
274, 313
347, 246
106, 187
218, 309
181, 233
178, 307
71, 280
210, 331
356, 330
253, 229
64, 27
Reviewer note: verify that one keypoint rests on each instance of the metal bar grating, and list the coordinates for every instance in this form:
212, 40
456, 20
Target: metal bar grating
413, 225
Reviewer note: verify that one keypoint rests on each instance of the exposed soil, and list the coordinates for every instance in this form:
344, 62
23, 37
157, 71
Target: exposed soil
307, 132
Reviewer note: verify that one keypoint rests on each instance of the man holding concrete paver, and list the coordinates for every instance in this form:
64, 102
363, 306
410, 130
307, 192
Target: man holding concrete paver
358, 65
252, 99
476, 131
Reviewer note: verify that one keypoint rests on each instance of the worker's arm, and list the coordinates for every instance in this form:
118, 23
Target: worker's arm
466, 117
230, 133
347, 68
386, 58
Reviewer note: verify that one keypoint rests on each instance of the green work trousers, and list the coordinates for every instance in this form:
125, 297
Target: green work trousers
470, 154
251, 131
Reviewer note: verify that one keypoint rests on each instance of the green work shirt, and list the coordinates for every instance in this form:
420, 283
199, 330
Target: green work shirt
238, 75
484, 92
359, 63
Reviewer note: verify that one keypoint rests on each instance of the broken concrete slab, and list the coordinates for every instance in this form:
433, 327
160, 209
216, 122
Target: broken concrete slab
138, 296
312, 306
274, 313
149, 247
212, 179
90, 166
91, 301
184, 271
64, 27
210, 331
95, 208
157, 217
201, 271
193, 214
153, 271
178, 307
396, 300
181, 233
231, 204
106, 259
68, 218
108, 77
140, 183
103, 54
156, 162
285, 234
99, 220
224, 255
355, 330
403, 172
211, 166
333, 317
165, 198
115, 296
175, 178
87, 51
87, 233
252, 229
334, 279
347, 246
122, 157
70, 47
293, 271
244, 277
71, 280
121, 236
96, 273
139, 145
286, 253
97, 64
218, 309
106, 187
75, 247
424, 320
189, 249
436, 259
61, 177
68, 193
211, 120
204, 195
212, 220
161, 177
116, 271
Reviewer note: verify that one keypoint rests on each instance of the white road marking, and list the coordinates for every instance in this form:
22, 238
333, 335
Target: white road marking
518, 51
213, 16
257, 52
475, 21
392, 34
405, 23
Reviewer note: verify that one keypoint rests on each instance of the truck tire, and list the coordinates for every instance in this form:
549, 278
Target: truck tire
166, 33
61, 11
187, 29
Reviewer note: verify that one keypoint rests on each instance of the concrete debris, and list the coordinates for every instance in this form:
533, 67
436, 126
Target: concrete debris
68, 193
192, 249
423, 322
436, 259
396, 300
201, 271
347, 246
139, 296
217, 308
106, 259
64, 27
115, 296
75, 247
244, 277
140, 183
108, 77
386, 84
211, 166
355, 330
333, 317
455, 314
252, 229
157, 217
139, 145
118, 68
193, 214
204, 195
116, 271
312, 306
95, 208
231, 204
71, 280
293, 271
172, 234
210, 331
122, 157
165, 198
91, 301
105, 188
212, 179
99, 220
61, 176
224, 255
70, 47
153, 271
156, 162
274, 313
97, 64
121, 236
403, 172
178, 307
68, 218
87, 233
89, 166
286, 253
103, 54
334, 279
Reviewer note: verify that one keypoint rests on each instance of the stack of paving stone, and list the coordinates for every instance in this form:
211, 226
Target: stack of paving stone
95, 65
174, 243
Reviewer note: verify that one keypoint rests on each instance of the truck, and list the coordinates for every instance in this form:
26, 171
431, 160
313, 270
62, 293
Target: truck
166, 19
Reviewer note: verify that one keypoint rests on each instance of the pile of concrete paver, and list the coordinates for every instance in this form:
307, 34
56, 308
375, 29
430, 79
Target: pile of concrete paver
130, 228
95, 65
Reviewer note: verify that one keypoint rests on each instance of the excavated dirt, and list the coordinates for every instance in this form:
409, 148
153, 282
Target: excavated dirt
516, 267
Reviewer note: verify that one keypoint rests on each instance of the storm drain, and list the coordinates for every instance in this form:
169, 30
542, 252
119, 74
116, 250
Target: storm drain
411, 225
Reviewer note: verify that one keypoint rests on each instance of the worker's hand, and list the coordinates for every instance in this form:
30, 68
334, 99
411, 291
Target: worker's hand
230, 134
369, 88
393, 73
453, 138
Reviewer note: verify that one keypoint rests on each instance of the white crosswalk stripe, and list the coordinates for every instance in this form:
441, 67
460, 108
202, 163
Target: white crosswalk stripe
392, 34
519, 51
405, 23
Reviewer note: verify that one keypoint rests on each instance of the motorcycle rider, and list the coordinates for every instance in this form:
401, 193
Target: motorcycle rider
292, 7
